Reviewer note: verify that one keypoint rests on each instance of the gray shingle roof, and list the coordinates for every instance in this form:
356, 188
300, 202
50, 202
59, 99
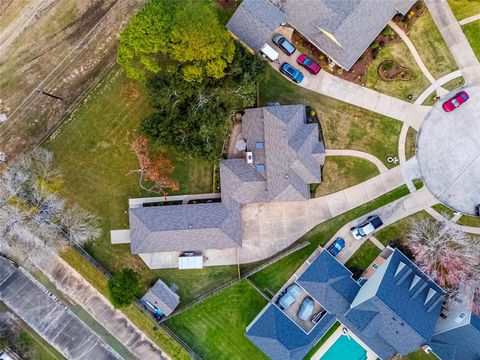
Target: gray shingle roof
354, 23
280, 339
255, 21
460, 343
181, 227
162, 297
291, 156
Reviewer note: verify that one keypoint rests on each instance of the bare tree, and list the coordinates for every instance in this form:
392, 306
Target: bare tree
446, 254
35, 223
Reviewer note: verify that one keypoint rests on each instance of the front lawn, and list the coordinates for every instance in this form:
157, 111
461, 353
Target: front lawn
341, 172
92, 152
472, 32
469, 220
410, 143
444, 210
454, 83
274, 276
344, 126
215, 328
463, 9
363, 257
397, 232
429, 43
407, 90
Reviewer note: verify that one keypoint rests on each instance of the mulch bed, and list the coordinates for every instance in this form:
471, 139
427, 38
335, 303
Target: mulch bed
389, 70
227, 4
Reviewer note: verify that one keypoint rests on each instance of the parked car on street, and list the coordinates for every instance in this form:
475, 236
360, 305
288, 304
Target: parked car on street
337, 246
309, 64
293, 73
455, 101
283, 44
288, 297
306, 309
366, 228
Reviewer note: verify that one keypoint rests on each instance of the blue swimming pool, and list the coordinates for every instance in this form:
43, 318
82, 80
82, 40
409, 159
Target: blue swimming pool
345, 349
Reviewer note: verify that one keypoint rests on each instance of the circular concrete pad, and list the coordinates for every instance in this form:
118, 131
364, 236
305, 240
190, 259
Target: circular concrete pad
449, 152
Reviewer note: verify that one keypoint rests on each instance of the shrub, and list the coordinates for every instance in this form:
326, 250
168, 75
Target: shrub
123, 287
375, 52
387, 31
374, 45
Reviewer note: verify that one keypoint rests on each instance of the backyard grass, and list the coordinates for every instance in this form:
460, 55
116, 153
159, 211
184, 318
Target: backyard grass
140, 319
274, 276
469, 220
444, 210
215, 328
363, 257
463, 9
344, 126
322, 341
419, 355
397, 232
341, 172
429, 43
92, 152
410, 143
407, 90
472, 32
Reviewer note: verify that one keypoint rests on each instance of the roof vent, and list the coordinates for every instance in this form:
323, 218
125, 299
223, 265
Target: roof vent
430, 294
286, 176
190, 226
415, 281
400, 266
284, 132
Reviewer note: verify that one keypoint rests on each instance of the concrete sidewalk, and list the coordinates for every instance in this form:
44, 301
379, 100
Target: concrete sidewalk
360, 154
453, 36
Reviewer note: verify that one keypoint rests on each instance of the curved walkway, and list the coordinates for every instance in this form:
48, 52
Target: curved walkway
436, 85
468, 229
413, 50
469, 19
359, 154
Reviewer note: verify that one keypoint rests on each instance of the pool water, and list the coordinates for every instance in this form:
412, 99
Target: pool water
345, 349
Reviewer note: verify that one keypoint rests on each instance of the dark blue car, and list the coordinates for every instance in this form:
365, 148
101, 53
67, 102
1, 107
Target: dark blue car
283, 44
293, 73
337, 246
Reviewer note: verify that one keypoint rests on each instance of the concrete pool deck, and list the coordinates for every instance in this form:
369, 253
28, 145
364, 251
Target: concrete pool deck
334, 337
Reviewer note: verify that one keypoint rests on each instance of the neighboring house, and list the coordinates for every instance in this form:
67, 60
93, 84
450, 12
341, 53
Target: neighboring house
394, 312
457, 334
283, 156
160, 299
342, 30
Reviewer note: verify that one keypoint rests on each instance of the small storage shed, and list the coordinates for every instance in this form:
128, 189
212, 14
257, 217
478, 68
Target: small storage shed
160, 299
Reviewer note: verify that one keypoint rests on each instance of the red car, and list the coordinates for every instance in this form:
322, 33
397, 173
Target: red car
455, 102
308, 64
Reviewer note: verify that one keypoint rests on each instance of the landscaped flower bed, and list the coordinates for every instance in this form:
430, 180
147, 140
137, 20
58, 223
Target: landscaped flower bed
389, 70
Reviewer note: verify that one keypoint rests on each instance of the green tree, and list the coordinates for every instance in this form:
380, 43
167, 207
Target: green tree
123, 287
200, 42
146, 38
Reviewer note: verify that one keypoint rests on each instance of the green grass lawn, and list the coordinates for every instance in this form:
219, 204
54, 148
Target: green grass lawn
341, 172
429, 43
215, 328
463, 9
469, 220
322, 341
419, 355
92, 152
344, 126
410, 143
444, 210
397, 88
454, 83
274, 276
398, 230
472, 32
363, 257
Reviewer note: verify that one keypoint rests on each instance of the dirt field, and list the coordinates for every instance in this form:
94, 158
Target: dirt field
52, 47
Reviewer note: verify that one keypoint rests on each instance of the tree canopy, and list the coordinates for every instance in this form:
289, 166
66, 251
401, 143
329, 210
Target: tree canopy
170, 36
123, 287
